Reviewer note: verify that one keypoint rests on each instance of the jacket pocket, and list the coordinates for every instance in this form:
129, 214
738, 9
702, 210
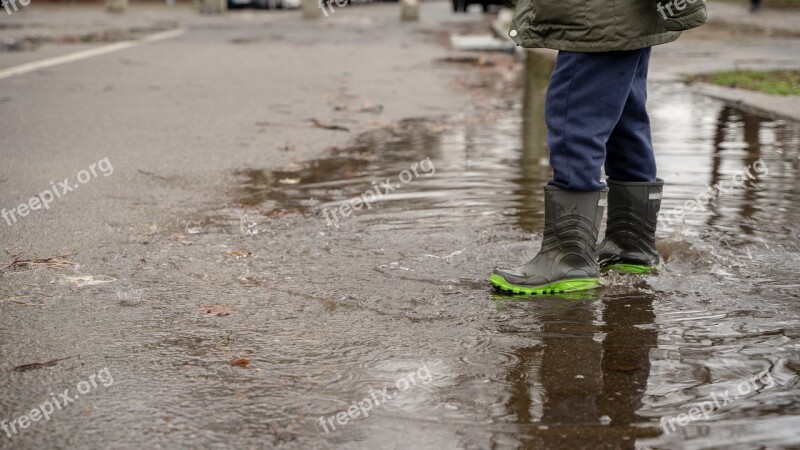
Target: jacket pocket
681, 15
559, 13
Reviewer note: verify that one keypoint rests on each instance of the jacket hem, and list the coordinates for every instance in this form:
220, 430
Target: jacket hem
603, 46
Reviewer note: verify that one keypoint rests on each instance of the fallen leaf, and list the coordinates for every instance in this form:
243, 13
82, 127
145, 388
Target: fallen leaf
216, 310
240, 362
278, 212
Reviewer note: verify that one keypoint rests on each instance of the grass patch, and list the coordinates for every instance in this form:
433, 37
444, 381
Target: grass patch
775, 82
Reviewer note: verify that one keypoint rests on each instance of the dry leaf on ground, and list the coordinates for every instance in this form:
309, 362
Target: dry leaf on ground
240, 362
239, 253
216, 310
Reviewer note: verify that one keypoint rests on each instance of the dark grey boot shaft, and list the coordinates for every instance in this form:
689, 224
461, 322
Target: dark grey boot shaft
570, 237
632, 219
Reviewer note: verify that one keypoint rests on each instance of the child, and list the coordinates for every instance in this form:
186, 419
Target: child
596, 116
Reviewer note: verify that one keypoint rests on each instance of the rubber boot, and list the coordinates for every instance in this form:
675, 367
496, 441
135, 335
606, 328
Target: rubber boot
567, 260
630, 242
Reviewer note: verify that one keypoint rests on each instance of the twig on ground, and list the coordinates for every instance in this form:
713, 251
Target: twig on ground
20, 302
39, 365
18, 263
328, 127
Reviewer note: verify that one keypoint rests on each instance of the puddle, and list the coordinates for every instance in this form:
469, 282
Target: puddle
603, 369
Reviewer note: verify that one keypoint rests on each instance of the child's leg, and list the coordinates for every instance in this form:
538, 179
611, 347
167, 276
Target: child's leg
629, 150
587, 96
634, 196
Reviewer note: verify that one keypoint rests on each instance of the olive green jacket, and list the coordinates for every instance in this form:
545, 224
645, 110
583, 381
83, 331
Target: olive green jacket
602, 25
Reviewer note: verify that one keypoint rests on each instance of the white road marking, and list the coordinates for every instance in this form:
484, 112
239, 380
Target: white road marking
83, 54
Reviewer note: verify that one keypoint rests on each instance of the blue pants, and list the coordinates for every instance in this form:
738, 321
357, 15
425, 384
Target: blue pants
595, 113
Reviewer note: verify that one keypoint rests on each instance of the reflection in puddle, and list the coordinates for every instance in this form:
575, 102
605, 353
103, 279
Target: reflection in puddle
597, 370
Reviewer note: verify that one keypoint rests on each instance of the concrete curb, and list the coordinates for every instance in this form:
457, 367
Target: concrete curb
785, 107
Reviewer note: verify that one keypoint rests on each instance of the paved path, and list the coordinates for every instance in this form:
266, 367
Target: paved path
775, 20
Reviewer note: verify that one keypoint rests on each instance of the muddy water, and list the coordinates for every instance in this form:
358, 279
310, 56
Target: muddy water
622, 367
396, 296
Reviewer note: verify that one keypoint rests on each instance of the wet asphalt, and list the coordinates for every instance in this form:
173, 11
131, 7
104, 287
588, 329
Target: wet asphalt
207, 295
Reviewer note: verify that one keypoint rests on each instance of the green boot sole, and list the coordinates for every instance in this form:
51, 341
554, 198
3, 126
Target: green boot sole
632, 269
570, 285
